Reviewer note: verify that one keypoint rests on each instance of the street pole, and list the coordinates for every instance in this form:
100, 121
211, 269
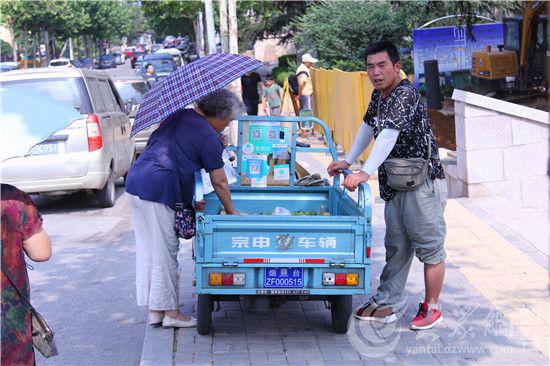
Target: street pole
209, 14
224, 29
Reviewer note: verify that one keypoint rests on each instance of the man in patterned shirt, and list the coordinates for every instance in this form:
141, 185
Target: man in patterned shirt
397, 118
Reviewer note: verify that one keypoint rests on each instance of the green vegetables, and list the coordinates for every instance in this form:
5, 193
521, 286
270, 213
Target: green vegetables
305, 213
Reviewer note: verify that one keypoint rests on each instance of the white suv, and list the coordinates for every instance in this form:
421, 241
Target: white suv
87, 155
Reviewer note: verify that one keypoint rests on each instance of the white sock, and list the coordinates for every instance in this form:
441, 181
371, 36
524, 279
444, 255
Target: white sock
434, 305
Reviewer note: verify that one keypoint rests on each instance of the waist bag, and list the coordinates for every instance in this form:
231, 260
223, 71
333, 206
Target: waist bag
405, 174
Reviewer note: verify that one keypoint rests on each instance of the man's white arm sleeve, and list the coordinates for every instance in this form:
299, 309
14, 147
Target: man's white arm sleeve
382, 148
362, 140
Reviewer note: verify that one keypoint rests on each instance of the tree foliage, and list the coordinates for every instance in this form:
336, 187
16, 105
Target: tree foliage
340, 30
261, 19
171, 17
107, 20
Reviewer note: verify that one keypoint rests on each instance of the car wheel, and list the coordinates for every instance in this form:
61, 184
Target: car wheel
106, 195
341, 308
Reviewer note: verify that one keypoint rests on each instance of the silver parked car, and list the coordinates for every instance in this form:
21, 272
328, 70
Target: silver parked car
87, 155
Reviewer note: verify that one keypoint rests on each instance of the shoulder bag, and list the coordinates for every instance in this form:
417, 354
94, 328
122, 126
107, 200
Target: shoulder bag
42, 334
405, 174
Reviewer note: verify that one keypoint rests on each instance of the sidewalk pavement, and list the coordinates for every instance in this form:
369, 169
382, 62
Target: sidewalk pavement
494, 301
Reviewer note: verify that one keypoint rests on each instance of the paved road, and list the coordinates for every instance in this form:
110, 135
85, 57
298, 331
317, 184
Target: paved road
122, 70
86, 291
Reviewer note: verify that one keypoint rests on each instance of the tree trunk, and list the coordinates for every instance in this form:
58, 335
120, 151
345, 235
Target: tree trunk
75, 47
224, 29
34, 51
206, 45
200, 41
93, 46
209, 20
25, 47
13, 42
233, 32
87, 45
71, 53
197, 34
46, 40
54, 50
235, 86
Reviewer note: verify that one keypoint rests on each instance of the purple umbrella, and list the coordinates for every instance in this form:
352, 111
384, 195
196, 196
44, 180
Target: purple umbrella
188, 84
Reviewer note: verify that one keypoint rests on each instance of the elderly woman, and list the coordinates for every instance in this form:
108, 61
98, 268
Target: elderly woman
187, 142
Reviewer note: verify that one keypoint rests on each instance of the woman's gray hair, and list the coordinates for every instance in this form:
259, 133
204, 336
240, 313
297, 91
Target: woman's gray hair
221, 104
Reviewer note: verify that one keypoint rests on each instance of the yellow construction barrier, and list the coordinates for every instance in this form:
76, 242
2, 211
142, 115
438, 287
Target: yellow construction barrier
340, 99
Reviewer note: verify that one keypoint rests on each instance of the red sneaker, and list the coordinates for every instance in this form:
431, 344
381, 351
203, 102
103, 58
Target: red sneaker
426, 319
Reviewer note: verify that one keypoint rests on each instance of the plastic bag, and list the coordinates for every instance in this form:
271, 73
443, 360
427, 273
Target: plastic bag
281, 211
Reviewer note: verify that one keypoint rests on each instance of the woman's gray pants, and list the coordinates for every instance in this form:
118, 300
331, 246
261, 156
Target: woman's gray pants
157, 249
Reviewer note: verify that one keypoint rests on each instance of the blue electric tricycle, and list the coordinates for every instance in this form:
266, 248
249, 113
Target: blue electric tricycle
293, 242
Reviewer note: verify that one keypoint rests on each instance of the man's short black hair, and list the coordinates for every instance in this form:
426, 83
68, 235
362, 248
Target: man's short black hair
382, 46
269, 77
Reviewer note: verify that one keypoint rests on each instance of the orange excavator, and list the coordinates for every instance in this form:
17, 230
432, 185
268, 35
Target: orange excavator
520, 62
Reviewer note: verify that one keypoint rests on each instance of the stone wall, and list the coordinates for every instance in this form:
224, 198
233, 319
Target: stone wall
502, 149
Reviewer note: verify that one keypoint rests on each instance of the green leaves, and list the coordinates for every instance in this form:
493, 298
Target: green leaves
261, 19
65, 18
341, 30
171, 17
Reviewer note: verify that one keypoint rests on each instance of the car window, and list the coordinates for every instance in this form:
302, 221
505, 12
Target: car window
131, 90
59, 63
96, 96
119, 104
70, 90
160, 65
107, 95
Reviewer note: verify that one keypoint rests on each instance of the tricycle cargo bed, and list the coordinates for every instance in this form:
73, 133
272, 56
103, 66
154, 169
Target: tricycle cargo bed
260, 237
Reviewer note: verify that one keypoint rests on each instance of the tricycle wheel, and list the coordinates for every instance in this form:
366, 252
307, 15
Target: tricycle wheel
341, 308
205, 305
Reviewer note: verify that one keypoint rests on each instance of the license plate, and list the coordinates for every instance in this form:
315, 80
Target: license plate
45, 149
284, 278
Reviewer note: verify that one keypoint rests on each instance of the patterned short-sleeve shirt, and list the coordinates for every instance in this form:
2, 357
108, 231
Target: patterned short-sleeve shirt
405, 111
20, 221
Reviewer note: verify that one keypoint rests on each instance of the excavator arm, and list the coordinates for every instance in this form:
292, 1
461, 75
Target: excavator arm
530, 11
